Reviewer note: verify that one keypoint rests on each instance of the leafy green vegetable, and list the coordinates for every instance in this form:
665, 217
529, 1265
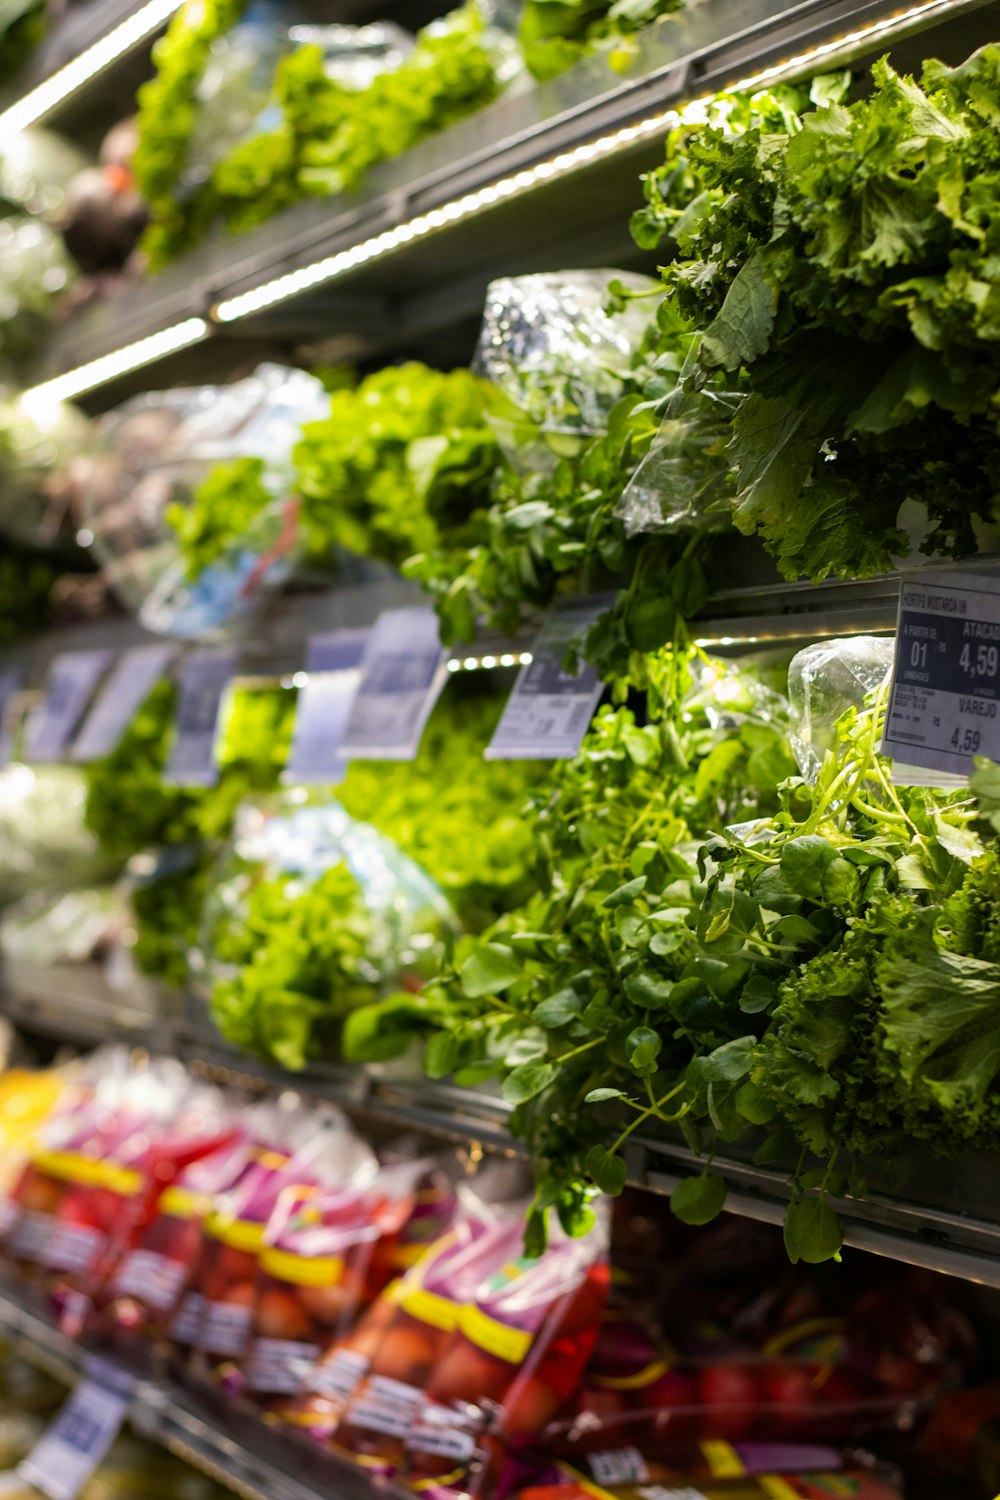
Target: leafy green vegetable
222, 510
400, 462
554, 34
857, 241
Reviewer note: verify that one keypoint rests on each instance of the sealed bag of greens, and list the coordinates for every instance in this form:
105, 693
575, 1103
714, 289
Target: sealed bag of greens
559, 358
192, 522
310, 915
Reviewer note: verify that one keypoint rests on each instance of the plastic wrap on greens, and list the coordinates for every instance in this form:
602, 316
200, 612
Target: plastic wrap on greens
36, 168
37, 444
354, 56
149, 458
34, 271
56, 927
824, 681
232, 97
558, 358
43, 841
312, 915
685, 480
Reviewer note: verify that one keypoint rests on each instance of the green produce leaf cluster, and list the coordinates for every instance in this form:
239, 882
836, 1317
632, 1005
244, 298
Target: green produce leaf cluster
458, 816
554, 34
401, 462
721, 949
845, 268
329, 135
131, 809
300, 951
223, 509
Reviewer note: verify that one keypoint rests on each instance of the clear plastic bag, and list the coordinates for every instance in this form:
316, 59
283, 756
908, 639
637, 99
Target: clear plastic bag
685, 479
34, 271
558, 358
312, 915
354, 56
824, 681
153, 453
43, 839
37, 443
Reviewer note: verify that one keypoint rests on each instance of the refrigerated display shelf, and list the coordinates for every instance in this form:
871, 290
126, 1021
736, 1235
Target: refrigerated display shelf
402, 264
242, 1454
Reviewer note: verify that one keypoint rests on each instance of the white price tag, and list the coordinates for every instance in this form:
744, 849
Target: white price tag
334, 666
70, 1450
128, 685
205, 675
549, 709
403, 672
10, 683
944, 703
71, 679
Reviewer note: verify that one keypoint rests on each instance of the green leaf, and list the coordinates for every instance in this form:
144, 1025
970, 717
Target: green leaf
440, 1054
813, 1232
647, 992
608, 1170
742, 329
804, 862
731, 1061
528, 1080
489, 970
642, 1047
625, 893
698, 1200
558, 1010
598, 1096
754, 1105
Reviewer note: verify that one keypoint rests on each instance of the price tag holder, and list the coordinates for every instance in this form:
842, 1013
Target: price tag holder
69, 685
549, 709
126, 688
69, 1451
403, 671
11, 682
205, 675
944, 702
333, 662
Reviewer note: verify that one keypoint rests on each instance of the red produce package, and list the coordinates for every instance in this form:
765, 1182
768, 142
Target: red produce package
153, 1276
324, 1153
515, 1356
432, 1209
81, 1122
821, 1486
386, 1358
111, 1178
314, 1273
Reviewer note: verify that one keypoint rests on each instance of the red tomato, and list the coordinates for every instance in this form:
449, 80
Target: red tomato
39, 1194
530, 1405
465, 1373
789, 1390
239, 1293
728, 1392
404, 1354
280, 1316
329, 1304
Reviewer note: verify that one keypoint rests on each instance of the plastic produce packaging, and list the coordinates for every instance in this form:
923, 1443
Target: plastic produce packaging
313, 1276
558, 359
824, 681
313, 915
34, 272
815, 1486
43, 840
37, 444
149, 458
322, 1154
367, 1385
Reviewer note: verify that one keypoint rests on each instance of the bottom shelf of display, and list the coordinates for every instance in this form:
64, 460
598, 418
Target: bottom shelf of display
236, 1449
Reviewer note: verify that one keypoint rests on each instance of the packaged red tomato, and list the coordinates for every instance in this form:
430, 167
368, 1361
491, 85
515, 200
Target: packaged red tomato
83, 1120
313, 1274
369, 1383
323, 1153
515, 1356
431, 1207
155, 1273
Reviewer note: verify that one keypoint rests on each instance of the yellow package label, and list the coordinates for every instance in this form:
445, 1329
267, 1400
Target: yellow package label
722, 1458
238, 1234
72, 1166
183, 1203
499, 1339
316, 1270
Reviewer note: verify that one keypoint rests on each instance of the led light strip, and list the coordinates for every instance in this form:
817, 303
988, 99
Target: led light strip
506, 659
293, 283
34, 105
321, 272
118, 362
